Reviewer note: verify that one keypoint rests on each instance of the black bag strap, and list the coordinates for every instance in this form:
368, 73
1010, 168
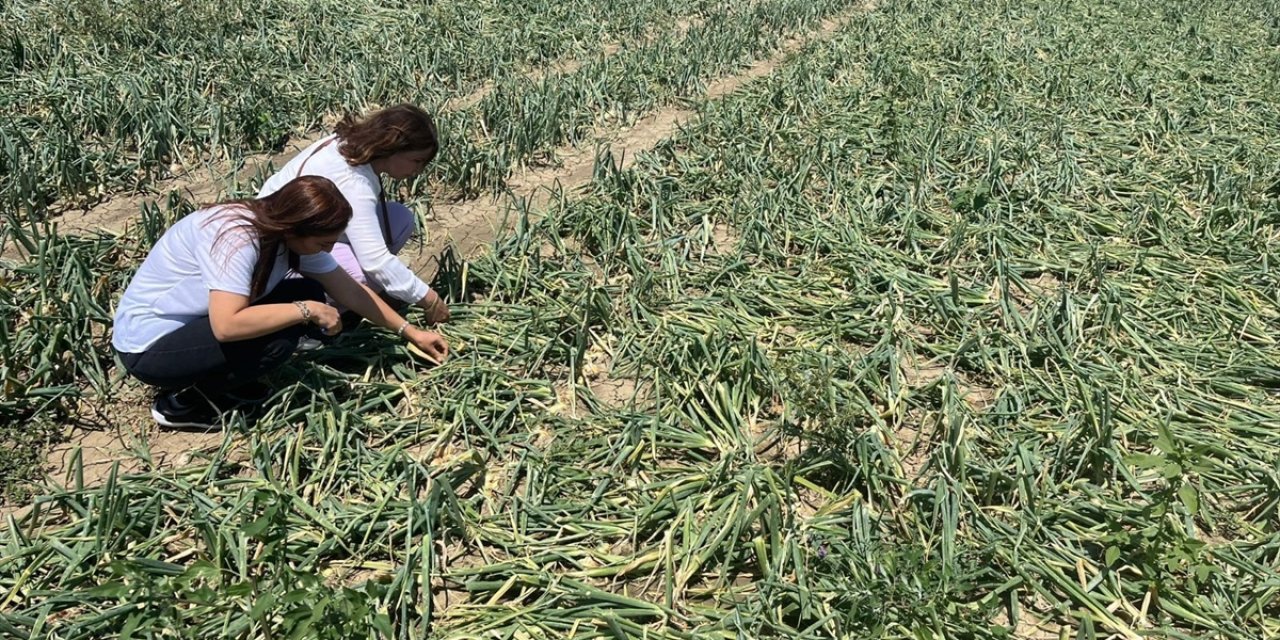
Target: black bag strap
384, 217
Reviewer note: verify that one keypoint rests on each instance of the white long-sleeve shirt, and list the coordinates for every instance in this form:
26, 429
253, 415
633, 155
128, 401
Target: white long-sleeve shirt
360, 186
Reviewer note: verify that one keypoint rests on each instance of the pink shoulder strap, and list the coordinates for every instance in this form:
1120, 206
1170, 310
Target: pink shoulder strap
313, 153
385, 219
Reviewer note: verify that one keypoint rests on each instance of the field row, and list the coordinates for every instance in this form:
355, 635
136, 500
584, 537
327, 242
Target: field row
118, 121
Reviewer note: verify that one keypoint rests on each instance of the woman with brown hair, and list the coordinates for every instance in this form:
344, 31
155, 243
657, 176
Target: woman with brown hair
210, 310
397, 141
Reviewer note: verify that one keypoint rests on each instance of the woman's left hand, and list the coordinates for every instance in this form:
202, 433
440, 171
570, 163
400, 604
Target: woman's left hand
435, 308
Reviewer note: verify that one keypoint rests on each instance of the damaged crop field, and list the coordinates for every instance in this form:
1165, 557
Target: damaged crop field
779, 319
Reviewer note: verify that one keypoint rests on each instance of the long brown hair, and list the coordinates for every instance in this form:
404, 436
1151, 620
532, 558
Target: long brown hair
306, 206
403, 127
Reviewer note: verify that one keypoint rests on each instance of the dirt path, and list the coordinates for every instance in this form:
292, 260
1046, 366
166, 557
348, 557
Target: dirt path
468, 226
200, 185
472, 225
209, 183
565, 67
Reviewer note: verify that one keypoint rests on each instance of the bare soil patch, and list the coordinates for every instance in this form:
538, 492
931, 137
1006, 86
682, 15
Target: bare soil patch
918, 372
912, 444
121, 435
1029, 627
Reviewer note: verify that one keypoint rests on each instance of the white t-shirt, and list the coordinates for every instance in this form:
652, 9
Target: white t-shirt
172, 286
359, 184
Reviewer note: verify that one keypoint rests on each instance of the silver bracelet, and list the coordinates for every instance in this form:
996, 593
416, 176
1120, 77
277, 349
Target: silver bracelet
306, 311
400, 331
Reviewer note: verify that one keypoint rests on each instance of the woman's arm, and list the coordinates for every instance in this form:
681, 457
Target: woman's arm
232, 318
434, 306
359, 298
370, 248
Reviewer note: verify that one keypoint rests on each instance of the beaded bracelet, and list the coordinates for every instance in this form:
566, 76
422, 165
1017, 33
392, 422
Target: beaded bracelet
306, 311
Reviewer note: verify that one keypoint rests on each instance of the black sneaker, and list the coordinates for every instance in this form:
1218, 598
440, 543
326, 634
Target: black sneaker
307, 343
185, 409
250, 393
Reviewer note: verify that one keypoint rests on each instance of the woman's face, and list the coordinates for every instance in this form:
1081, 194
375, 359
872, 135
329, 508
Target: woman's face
307, 245
406, 164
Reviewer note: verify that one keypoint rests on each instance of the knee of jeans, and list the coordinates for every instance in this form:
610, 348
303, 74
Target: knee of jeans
312, 290
402, 223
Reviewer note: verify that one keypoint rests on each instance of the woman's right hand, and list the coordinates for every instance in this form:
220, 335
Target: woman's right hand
429, 342
326, 317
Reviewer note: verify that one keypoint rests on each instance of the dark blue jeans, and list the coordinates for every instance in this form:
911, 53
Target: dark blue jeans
193, 357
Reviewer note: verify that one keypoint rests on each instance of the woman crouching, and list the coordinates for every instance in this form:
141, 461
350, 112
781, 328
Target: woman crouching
210, 310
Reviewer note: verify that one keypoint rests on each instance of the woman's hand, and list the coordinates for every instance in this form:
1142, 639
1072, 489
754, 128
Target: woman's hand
429, 342
326, 317
365, 302
233, 319
435, 308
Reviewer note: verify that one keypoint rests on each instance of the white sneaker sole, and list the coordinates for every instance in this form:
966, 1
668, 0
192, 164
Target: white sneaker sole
177, 424
309, 344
